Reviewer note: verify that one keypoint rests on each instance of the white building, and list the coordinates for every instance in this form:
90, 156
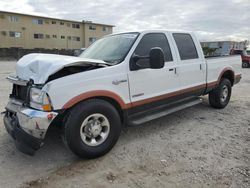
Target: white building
221, 48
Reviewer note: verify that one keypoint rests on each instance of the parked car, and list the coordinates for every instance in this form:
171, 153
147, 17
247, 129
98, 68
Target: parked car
122, 79
245, 57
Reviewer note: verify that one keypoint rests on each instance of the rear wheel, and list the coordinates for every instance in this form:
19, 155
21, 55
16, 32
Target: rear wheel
220, 96
92, 128
245, 64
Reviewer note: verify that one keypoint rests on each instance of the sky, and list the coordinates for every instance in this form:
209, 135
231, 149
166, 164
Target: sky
210, 19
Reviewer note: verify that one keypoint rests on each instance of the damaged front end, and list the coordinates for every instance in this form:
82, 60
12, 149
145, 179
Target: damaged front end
27, 125
29, 112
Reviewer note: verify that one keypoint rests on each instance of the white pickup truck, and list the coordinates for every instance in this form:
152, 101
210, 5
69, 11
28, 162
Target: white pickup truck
121, 79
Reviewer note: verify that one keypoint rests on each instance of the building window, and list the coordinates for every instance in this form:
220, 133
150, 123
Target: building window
47, 36
62, 37
15, 34
13, 18
53, 22
92, 27
105, 29
92, 39
69, 37
38, 21
61, 23
76, 26
68, 24
38, 36
54, 36
75, 38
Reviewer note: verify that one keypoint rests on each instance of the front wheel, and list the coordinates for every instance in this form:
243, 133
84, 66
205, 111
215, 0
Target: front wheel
92, 128
220, 96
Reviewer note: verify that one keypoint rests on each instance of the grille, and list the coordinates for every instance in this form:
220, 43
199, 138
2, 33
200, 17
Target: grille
20, 92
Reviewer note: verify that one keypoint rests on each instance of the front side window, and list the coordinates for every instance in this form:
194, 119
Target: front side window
150, 41
186, 46
111, 49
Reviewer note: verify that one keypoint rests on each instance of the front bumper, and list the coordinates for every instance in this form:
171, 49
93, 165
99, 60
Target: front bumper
27, 126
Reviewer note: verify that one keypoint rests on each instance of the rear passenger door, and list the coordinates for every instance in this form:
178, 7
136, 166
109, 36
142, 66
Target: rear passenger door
192, 66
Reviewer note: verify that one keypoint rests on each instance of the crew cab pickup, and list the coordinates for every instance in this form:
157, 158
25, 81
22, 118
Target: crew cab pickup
121, 79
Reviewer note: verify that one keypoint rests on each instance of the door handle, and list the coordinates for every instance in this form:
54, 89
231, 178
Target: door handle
173, 69
200, 67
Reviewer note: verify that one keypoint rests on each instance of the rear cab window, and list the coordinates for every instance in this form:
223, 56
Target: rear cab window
186, 46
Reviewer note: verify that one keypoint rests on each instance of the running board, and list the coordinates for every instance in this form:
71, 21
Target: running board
143, 118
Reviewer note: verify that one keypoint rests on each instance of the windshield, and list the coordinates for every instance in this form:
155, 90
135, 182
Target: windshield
111, 49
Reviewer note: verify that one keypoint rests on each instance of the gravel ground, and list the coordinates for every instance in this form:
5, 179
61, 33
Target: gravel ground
196, 147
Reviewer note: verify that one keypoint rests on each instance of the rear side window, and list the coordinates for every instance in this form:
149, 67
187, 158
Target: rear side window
154, 40
186, 46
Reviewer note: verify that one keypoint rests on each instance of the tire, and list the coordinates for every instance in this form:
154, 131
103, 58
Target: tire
245, 64
96, 115
218, 97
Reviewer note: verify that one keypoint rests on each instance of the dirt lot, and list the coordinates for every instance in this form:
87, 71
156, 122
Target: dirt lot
196, 147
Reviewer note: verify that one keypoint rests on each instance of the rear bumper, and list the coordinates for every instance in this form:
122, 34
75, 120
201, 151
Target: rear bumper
27, 126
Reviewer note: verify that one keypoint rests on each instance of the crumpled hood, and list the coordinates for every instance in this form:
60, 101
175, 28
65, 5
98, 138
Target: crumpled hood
39, 67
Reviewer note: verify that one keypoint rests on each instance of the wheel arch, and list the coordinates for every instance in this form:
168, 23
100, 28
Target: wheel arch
227, 73
108, 96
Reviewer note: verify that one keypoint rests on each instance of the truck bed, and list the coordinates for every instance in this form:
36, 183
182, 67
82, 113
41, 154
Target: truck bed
215, 66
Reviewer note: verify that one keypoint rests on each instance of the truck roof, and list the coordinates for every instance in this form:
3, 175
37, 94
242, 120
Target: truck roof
153, 31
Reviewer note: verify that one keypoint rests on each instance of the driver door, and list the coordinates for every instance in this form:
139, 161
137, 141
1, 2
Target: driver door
151, 85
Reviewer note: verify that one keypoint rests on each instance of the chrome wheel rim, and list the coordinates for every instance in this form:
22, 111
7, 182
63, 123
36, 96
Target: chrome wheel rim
95, 129
224, 93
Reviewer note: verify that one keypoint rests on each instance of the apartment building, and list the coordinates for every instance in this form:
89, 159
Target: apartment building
30, 31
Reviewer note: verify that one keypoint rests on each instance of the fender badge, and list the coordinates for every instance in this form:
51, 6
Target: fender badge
117, 82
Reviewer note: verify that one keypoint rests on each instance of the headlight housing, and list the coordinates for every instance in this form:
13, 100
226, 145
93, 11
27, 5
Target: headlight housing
40, 100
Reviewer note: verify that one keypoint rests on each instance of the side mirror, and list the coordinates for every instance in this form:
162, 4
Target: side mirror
156, 58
